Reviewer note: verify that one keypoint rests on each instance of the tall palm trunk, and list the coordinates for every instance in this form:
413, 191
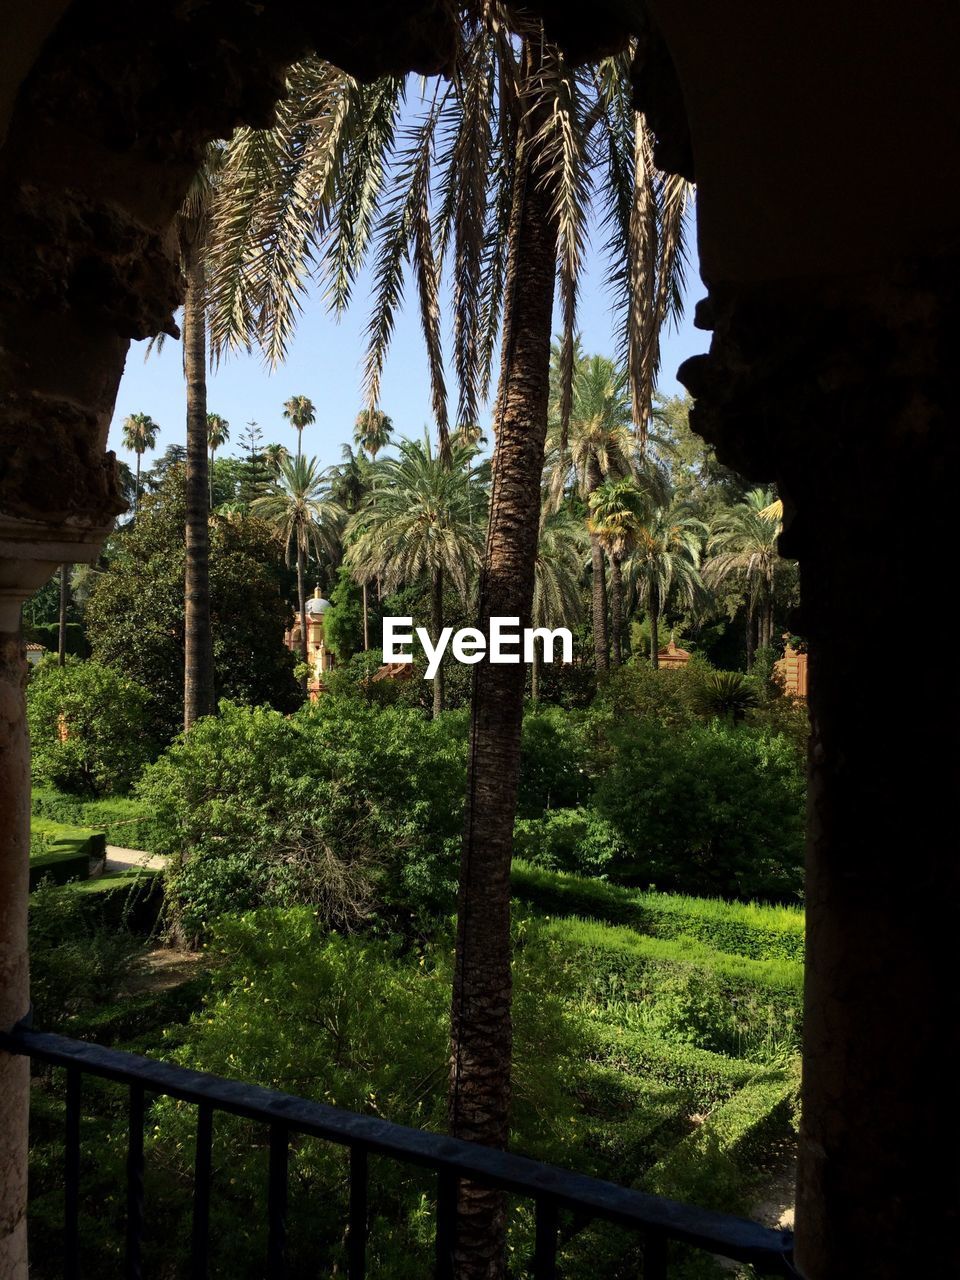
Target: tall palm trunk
62, 636
302, 604
655, 627
751, 636
210, 483
481, 1032
198, 696
136, 496
535, 676
366, 620
437, 628
601, 639
616, 608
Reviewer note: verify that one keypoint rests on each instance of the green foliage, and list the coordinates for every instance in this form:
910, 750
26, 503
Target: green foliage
638, 691
343, 806
728, 695
740, 928
709, 810
48, 634
62, 853
74, 963
135, 614
87, 727
124, 822
568, 840
343, 621
553, 760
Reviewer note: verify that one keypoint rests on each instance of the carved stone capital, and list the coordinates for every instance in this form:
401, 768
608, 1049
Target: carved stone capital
30, 552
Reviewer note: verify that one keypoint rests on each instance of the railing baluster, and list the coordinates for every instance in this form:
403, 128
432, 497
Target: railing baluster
201, 1192
447, 1188
357, 1238
545, 1249
135, 1184
71, 1178
277, 1202
655, 1256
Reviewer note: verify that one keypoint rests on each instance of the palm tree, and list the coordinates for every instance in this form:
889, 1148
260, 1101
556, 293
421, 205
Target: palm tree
305, 517
598, 442
372, 431
300, 413
492, 182
414, 525
743, 546
556, 582
218, 433
665, 563
349, 482
64, 599
139, 434
274, 454
618, 509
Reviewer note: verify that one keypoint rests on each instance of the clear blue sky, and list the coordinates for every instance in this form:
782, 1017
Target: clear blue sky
324, 363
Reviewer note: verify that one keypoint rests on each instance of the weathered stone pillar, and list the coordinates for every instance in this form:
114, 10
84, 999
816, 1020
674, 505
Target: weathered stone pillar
28, 556
843, 393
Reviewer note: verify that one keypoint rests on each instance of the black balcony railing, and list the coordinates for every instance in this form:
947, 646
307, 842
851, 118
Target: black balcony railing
656, 1220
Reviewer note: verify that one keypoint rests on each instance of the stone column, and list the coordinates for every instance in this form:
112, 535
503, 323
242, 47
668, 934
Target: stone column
29, 555
843, 394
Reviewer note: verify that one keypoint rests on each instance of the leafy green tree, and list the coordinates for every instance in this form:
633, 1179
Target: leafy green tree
139, 435
416, 524
664, 565
617, 512
300, 412
135, 611
218, 433
88, 727
344, 623
305, 517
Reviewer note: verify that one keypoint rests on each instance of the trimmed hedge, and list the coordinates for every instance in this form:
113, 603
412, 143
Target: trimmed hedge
713, 1165
132, 898
126, 822
62, 853
738, 928
707, 1077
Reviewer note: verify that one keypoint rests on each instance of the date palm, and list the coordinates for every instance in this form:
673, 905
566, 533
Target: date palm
489, 188
300, 413
557, 573
306, 519
618, 509
218, 433
415, 526
743, 546
664, 565
274, 454
139, 435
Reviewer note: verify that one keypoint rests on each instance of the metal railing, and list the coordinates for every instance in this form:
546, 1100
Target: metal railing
655, 1219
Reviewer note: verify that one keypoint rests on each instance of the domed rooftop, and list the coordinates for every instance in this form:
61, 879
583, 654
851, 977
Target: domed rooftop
316, 604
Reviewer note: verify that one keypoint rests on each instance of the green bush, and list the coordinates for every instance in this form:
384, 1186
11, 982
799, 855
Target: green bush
130, 899
125, 822
568, 840
741, 928
716, 810
342, 806
87, 727
553, 760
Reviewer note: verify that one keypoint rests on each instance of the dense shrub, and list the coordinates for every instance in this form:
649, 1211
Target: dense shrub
712, 810
639, 691
569, 840
343, 806
87, 727
553, 761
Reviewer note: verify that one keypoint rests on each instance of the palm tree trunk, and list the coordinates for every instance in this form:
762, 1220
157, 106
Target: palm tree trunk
616, 608
535, 676
62, 637
366, 621
136, 499
210, 483
198, 699
437, 628
481, 1030
655, 628
750, 637
601, 640
302, 604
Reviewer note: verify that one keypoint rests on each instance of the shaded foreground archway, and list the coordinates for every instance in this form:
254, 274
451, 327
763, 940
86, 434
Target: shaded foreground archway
828, 183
